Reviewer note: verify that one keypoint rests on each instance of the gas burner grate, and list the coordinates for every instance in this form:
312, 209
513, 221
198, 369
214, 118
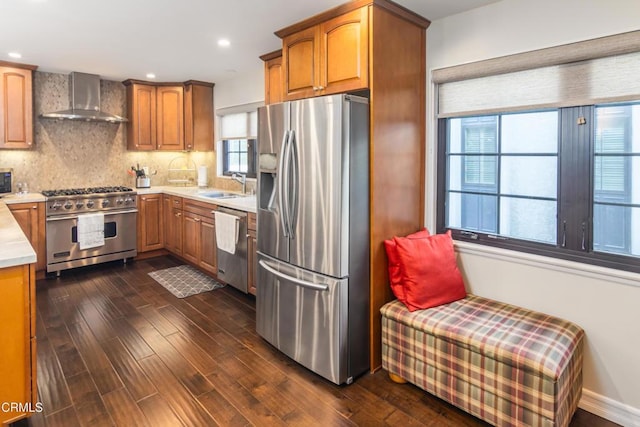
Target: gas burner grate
82, 191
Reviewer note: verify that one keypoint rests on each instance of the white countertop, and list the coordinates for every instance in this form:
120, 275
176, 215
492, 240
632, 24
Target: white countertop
23, 198
244, 203
15, 248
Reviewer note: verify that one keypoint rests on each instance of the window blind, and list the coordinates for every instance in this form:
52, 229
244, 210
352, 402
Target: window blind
239, 122
239, 126
594, 71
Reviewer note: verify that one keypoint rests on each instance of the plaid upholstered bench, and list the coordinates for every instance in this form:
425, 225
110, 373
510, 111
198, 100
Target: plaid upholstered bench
504, 364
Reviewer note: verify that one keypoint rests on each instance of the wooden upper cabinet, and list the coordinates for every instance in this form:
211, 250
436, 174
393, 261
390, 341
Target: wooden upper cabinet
344, 52
327, 58
273, 77
170, 117
300, 54
141, 129
198, 116
16, 106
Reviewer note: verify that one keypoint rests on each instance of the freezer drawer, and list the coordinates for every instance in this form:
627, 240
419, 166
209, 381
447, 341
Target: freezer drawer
304, 315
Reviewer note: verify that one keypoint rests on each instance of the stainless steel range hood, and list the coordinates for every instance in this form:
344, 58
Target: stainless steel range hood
84, 91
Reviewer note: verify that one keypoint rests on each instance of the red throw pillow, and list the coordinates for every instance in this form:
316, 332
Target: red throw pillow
395, 278
429, 272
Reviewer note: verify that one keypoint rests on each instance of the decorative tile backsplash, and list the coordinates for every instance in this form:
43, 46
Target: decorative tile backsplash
86, 154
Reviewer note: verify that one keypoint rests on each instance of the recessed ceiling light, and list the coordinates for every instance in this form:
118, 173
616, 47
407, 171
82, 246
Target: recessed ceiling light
151, 76
224, 43
15, 55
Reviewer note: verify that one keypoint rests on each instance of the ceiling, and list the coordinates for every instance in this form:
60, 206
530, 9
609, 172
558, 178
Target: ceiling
175, 40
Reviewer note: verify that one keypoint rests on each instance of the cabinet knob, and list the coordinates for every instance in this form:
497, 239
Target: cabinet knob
144, 198
34, 207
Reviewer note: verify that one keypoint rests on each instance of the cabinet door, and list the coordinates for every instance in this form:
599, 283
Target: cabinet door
141, 129
168, 222
170, 117
150, 233
198, 117
16, 108
30, 217
344, 52
208, 247
15, 339
191, 233
273, 78
300, 53
252, 261
178, 232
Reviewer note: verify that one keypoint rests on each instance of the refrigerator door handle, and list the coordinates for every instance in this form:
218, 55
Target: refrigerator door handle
284, 213
293, 162
303, 283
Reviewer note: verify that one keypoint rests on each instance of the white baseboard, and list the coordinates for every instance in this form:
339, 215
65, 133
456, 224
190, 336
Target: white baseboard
612, 410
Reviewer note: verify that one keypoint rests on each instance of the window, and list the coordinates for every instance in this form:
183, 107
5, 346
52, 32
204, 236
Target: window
239, 134
540, 151
239, 156
563, 182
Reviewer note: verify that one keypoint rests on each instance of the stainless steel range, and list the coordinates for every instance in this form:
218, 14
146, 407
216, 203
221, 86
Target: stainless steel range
89, 226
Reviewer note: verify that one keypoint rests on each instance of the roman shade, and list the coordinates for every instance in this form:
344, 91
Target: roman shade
600, 70
239, 122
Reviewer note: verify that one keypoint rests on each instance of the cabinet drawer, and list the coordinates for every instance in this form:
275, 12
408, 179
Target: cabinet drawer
197, 207
176, 202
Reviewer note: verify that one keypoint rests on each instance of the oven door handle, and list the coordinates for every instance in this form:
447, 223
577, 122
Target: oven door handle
62, 218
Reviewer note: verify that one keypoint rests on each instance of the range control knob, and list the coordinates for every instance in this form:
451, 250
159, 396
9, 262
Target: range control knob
68, 205
105, 203
79, 204
90, 203
128, 200
119, 201
55, 206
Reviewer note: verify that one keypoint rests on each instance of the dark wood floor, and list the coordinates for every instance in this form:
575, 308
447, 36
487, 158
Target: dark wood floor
116, 348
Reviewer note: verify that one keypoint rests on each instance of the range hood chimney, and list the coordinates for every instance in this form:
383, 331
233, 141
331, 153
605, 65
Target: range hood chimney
84, 92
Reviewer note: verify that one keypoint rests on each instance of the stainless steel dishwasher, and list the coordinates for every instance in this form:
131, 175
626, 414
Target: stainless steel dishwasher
232, 268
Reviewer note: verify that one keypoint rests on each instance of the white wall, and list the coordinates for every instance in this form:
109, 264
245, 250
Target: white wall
242, 89
608, 309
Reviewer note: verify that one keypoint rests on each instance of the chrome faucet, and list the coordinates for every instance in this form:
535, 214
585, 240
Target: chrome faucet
242, 179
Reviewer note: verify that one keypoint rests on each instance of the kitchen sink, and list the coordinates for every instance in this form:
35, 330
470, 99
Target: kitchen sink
219, 195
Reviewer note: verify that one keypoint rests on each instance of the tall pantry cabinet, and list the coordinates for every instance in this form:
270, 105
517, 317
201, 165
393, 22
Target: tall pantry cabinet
375, 48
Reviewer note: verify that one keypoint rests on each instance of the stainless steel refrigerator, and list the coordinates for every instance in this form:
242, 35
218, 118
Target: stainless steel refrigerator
312, 296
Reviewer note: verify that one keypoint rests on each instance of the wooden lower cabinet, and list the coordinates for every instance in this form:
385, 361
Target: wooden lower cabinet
173, 223
208, 246
17, 343
200, 235
31, 218
150, 223
252, 256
